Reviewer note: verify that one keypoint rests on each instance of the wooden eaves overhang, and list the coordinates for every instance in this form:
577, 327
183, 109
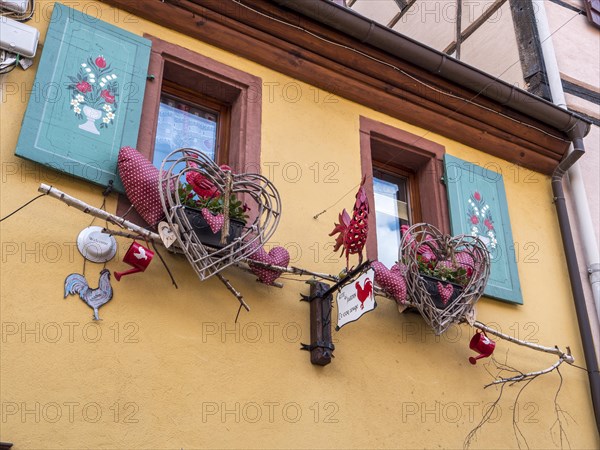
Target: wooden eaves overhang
308, 50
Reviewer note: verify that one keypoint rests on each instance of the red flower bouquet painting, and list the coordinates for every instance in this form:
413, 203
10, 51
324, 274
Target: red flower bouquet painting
94, 94
480, 218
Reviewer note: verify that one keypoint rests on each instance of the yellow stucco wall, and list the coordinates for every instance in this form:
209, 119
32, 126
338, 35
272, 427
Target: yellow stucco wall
168, 368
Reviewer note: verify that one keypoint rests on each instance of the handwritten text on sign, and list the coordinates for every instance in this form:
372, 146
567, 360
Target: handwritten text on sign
356, 299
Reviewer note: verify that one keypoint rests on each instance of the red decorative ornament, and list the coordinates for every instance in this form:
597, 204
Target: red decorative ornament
482, 345
214, 221
364, 292
100, 62
465, 261
477, 196
474, 220
278, 256
108, 98
391, 280
445, 292
353, 231
426, 250
201, 184
83, 87
139, 257
140, 179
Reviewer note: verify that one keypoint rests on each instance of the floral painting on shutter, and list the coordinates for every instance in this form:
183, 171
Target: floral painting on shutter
86, 101
478, 207
94, 94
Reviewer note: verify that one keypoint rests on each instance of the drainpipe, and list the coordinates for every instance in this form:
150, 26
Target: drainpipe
580, 202
573, 268
584, 219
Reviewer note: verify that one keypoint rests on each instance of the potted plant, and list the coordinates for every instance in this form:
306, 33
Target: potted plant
206, 216
444, 279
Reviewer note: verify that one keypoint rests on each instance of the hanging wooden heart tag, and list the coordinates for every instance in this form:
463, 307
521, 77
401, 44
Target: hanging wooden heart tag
168, 234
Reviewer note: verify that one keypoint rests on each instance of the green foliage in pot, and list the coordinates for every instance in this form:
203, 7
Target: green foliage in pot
447, 271
237, 209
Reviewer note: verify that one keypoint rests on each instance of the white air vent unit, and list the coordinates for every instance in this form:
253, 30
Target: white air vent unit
18, 6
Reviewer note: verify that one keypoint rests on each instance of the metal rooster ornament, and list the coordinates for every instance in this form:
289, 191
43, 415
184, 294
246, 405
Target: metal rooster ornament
353, 231
94, 298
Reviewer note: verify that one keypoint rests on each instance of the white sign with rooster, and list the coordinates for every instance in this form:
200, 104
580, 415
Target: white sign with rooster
356, 299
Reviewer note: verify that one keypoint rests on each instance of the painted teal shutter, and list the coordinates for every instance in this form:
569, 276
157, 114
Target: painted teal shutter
86, 102
477, 203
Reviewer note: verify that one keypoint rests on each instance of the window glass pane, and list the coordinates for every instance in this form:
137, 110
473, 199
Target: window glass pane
391, 211
181, 124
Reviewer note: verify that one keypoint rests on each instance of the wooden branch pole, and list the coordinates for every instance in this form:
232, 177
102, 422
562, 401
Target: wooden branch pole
527, 376
147, 234
382, 293
304, 272
247, 269
231, 289
563, 356
121, 234
566, 357
291, 270
99, 213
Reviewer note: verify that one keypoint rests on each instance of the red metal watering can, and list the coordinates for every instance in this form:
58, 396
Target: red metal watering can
482, 345
137, 256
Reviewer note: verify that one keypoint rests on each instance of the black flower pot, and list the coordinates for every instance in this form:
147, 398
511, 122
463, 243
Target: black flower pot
204, 233
431, 285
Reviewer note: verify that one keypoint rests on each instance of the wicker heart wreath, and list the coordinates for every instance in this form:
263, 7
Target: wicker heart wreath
254, 190
424, 247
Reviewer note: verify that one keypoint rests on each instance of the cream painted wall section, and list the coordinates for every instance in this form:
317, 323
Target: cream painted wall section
580, 105
168, 368
423, 18
590, 174
483, 51
576, 43
474, 10
382, 11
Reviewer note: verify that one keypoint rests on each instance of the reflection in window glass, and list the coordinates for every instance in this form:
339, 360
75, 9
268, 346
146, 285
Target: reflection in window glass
391, 212
183, 125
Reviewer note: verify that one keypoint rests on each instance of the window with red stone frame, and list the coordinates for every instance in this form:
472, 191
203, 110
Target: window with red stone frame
193, 79
410, 169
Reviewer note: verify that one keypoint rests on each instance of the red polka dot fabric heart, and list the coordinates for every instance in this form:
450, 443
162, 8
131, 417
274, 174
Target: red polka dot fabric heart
445, 292
215, 222
278, 256
466, 261
140, 179
390, 280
